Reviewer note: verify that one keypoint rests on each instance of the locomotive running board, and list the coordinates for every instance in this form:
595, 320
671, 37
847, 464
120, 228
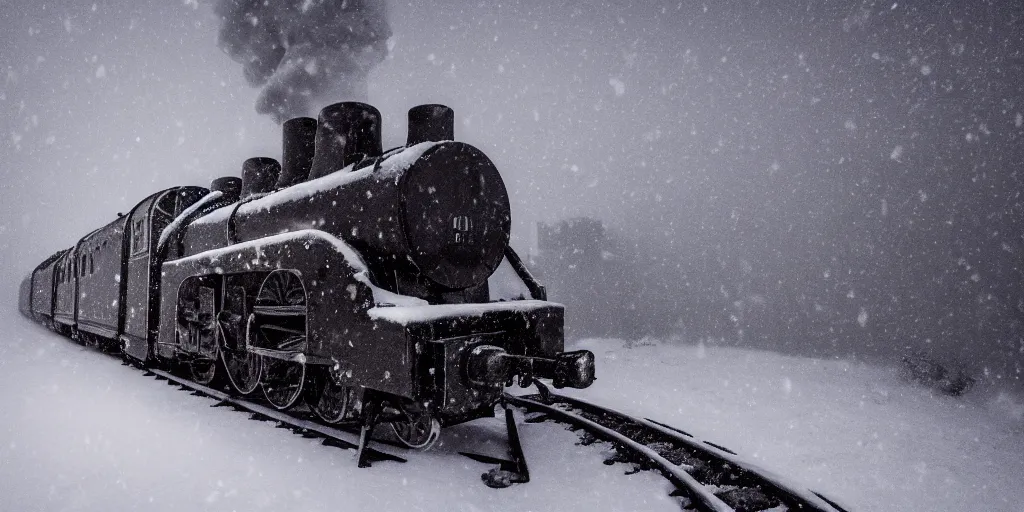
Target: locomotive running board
331, 436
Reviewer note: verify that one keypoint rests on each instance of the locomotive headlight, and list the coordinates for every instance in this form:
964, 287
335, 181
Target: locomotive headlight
487, 366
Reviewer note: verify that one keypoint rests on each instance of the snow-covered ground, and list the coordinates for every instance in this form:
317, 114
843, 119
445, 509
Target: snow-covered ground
82, 432
858, 433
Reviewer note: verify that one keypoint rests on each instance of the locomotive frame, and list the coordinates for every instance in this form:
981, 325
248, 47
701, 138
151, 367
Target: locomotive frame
351, 279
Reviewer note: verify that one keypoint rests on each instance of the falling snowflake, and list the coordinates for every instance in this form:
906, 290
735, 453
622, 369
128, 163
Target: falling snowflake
620, 88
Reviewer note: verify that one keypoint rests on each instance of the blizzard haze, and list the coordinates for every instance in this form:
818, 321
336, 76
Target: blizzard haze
818, 178
794, 193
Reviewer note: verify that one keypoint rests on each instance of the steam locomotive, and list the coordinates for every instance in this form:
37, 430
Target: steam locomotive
348, 278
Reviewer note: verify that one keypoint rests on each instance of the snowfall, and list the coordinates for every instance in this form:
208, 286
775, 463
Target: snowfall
81, 432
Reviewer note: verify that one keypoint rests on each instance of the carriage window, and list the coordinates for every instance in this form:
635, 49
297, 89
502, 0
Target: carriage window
140, 240
82, 270
91, 267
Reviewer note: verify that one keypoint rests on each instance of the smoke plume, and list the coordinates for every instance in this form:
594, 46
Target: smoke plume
304, 52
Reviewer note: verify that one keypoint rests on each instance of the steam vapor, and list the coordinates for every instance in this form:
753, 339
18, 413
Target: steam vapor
303, 51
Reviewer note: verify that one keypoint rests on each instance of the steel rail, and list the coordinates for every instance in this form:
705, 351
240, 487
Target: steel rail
702, 497
786, 490
332, 436
789, 494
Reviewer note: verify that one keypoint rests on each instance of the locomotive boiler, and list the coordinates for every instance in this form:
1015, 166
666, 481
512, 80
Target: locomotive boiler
346, 278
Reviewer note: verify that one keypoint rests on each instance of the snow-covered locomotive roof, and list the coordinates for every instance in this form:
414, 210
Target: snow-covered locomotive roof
392, 165
405, 315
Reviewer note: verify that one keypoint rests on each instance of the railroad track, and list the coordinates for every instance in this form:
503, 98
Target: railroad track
708, 477
290, 420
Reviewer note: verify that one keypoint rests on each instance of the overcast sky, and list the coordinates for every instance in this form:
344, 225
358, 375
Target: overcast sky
837, 154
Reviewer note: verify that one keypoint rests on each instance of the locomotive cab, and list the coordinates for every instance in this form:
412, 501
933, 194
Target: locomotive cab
139, 279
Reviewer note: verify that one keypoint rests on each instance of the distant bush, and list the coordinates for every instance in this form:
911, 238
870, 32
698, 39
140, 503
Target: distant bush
922, 369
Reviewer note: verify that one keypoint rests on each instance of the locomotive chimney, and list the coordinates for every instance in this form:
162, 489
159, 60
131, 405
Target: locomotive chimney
297, 151
432, 123
229, 186
259, 176
346, 133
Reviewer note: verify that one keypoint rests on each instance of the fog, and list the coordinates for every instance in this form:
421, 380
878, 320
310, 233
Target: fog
824, 178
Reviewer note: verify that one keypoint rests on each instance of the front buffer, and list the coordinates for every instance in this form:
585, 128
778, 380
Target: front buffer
465, 354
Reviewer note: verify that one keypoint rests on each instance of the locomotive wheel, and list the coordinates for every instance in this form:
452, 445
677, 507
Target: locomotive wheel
203, 370
418, 431
244, 369
279, 322
282, 382
328, 400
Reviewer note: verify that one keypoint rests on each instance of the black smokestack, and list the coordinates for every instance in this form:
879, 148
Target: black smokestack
229, 186
346, 133
304, 53
259, 175
432, 123
297, 150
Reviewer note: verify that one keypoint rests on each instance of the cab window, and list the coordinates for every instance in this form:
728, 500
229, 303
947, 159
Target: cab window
140, 236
